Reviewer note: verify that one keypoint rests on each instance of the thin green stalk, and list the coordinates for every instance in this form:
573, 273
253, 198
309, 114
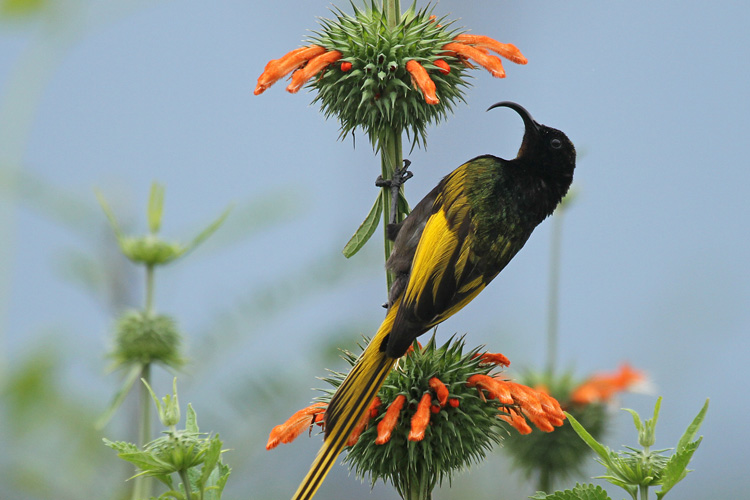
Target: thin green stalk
142, 486
553, 299
545, 481
419, 487
392, 9
644, 492
186, 482
149, 289
391, 157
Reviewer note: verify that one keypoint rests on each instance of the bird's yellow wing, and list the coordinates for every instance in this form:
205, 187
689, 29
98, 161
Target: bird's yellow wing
444, 274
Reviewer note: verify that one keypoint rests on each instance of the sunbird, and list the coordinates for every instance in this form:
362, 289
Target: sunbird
454, 242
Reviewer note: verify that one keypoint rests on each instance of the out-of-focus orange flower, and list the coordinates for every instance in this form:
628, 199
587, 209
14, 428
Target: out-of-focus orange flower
601, 387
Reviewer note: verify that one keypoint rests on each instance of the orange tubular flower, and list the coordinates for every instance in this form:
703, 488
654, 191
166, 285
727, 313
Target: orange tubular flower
295, 425
493, 386
517, 421
312, 68
493, 64
422, 80
386, 426
445, 68
362, 424
440, 390
279, 68
540, 408
421, 418
493, 358
601, 387
507, 50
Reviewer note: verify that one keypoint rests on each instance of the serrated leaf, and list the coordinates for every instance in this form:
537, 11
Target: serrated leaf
365, 230
191, 420
579, 492
676, 468
692, 429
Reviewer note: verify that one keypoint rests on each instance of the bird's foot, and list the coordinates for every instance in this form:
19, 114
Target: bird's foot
400, 176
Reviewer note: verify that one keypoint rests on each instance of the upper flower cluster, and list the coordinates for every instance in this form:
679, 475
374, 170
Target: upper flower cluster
375, 75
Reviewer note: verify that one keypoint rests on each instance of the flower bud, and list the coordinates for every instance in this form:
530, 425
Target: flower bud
147, 338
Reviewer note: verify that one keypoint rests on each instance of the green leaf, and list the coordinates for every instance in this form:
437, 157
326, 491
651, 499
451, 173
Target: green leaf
206, 233
601, 450
692, 429
191, 421
213, 455
676, 468
636, 419
155, 207
119, 397
110, 216
579, 492
366, 229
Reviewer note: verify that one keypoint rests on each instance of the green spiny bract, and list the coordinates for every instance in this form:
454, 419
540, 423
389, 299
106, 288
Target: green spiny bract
142, 338
455, 437
377, 92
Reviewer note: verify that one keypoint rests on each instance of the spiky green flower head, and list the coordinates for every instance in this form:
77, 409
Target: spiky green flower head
142, 338
371, 87
458, 434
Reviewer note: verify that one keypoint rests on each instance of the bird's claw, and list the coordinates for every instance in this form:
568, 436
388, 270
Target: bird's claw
400, 176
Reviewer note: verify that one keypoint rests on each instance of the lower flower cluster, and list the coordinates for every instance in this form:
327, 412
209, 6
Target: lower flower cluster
439, 411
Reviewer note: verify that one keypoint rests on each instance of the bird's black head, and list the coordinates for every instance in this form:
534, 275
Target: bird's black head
546, 150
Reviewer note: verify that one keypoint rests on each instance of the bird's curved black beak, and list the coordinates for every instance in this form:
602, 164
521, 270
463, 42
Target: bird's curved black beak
529, 122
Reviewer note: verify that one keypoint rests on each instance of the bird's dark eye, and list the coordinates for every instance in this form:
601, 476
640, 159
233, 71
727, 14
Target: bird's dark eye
555, 143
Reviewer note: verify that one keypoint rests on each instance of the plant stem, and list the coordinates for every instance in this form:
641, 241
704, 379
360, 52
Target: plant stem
149, 289
392, 9
644, 491
545, 480
419, 487
142, 486
554, 292
391, 157
186, 482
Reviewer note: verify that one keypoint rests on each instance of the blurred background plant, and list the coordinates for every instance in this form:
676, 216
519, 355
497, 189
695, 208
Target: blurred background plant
115, 94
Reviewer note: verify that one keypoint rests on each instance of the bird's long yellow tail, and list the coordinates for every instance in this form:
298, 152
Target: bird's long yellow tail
348, 404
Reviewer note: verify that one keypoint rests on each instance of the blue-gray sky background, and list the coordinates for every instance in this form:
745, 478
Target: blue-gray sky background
655, 265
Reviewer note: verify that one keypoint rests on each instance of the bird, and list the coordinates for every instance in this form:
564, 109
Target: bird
445, 252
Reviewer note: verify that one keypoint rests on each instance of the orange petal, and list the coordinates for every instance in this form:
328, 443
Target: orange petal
312, 68
386, 426
374, 407
493, 64
495, 387
440, 390
422, 79
493, 358
517, 421
507, 50
453, 402
421, 418
295, 425
444, 66
279, 68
